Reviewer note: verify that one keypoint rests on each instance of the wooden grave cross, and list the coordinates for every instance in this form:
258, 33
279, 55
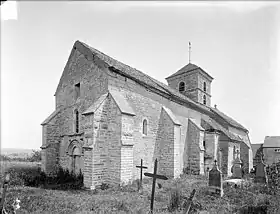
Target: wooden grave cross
188, 203
141, 173
154, 176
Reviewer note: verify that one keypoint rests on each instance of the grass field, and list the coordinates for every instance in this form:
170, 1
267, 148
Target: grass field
128, 200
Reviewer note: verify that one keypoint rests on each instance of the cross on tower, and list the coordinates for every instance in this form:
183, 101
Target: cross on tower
215, 162
141, 172
190, 52
154, 176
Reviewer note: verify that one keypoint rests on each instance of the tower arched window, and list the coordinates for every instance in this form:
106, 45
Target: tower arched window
204, 86
145, 128
181, 86
204, 99
76, 121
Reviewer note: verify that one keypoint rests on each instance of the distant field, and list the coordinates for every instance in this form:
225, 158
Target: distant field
5, 165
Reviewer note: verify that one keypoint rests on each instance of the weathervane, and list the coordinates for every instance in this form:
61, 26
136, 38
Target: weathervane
190, 52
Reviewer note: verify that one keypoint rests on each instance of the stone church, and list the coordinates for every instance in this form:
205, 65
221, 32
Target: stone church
108, 116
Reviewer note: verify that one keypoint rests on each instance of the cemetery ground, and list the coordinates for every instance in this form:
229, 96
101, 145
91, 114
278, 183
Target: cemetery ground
169, 196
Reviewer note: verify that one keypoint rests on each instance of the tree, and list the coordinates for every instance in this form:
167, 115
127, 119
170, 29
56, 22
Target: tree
35, 156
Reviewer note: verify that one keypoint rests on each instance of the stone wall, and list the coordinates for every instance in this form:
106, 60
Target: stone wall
211, 148
93, 83
50, 148
164, 148
148, 105
91, 74
194, 148
190, 80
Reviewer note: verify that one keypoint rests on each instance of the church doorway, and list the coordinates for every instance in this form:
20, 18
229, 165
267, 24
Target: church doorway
76, 160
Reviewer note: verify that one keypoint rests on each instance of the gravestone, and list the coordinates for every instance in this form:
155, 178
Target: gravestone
237, 167
215, 180
261, 174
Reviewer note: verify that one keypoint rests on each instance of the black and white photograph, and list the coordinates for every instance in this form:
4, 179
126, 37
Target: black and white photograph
141, 107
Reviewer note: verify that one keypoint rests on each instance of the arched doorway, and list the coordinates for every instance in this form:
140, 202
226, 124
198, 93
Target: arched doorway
76, 160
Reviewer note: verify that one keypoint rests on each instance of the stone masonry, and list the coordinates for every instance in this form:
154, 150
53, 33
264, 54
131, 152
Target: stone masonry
108, 116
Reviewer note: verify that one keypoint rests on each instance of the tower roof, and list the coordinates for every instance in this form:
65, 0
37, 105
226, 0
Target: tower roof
188, 68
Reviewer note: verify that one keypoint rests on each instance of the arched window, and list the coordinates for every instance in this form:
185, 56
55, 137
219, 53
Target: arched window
204, 86
145, 124
181, 86
204, 99
77, 121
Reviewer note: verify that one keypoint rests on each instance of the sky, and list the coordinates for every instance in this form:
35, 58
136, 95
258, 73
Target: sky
237, 43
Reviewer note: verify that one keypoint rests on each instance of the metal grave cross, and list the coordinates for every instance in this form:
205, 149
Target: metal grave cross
141, 173
154, 176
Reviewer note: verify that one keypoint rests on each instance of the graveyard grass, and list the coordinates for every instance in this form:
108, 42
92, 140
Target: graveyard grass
126, 199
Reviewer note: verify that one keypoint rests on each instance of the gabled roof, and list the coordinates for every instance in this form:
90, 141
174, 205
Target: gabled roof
118, 97
172, 116
271, 142
95, 105
196, 123
49, 118
122, 103
188, 68
228, 119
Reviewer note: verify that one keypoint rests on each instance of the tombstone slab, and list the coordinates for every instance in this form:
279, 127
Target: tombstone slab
215, 180
261, 174
237, 168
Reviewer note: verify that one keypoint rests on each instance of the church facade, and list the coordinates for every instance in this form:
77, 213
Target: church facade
109, 116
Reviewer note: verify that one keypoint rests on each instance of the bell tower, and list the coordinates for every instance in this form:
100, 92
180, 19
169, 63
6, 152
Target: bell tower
193, 82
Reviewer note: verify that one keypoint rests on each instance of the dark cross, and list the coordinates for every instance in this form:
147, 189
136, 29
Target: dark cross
5, 186
154, 176
188, 204
141, 173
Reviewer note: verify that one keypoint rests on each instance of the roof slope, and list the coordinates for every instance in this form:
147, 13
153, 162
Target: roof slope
140, 76
188, 68
217, 126
272, 142
151, 82
228, 119
95, 105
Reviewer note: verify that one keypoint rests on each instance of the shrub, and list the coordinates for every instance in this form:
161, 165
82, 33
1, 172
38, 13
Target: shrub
104, 186
34, 177
175, 199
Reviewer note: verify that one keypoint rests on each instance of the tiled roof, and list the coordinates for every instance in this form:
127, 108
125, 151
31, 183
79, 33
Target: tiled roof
217, 126
140, 76
188, 68
272, 142
228, 119
151, 82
